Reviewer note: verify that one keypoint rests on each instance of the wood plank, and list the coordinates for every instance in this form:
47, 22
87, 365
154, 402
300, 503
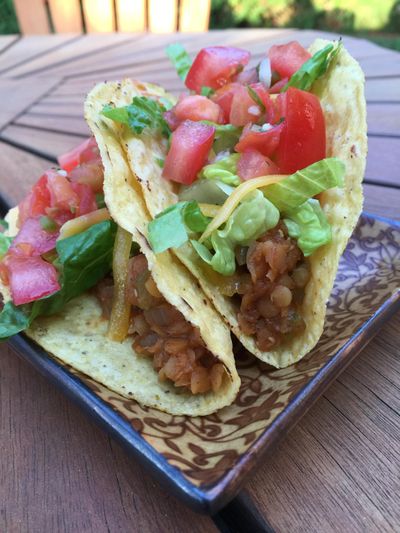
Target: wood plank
99, 15
381, 90
63, 473
74, 125
79, 46
382, 201
383, 160
46, 144
6, 41
376, 67
32, 16
163, 15
194, 15
333, 472
66, 16
131, 15
29, 48
16, 97
383, 119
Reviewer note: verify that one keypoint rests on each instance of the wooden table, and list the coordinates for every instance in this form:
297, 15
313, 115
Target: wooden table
338, 470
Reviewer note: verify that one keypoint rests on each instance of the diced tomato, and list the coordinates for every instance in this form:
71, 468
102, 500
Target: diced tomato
278, 86
243, 108
224, 96
195, 108
265, 142
30, 278
215, 66
303, 138
91, 174
87, 199
286, 59
190, 145
32, 239
36, 202
86, 152
62, 194
252, 164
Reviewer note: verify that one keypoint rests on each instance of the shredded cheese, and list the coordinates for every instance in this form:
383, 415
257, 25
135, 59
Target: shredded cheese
82, 223
210, 210
236, 197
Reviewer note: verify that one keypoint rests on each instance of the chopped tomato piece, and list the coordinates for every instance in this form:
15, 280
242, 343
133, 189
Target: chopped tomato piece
278, 86
86, 152
303, 138
215, 66
32, 239
62, 194
252, 164
243, 108
246, 77
198, 108
30, 278
91, 174
87, 199
36, 202
224, 96
265, 142
190, 145
286, 59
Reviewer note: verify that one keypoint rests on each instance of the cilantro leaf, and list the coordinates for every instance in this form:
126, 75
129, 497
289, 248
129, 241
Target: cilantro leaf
141, 113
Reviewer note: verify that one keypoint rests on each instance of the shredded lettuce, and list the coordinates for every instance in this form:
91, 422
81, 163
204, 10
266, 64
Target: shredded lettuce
171, 227
141, 113
206, 192
296, 189
225, 137
253, 217
223, 170
309, 225
314, 68
83, 260
179, 58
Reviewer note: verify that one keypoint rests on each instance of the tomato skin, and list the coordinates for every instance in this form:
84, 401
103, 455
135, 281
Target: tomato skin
286, 59
303, 138
265, 142
243, 108
85, 152
194, 108
63, 196
91, 174
215, 66
86, 199
253, 164
247, 77
190, 145
36, 202
278, 86
32, 239
224, 96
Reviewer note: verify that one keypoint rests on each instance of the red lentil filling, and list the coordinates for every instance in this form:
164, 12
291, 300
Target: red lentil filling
162, 333
269, 286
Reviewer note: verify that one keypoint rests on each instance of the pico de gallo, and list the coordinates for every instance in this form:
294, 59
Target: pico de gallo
247, 147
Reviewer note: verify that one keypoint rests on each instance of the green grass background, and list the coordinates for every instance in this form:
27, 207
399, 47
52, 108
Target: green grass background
377, 20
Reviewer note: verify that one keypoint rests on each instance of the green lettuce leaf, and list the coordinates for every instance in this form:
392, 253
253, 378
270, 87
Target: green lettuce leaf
206, 192
294, 190
314, 68
222, 170
253, 217
142, 113
308, 224
179, 58
171, 227
83, 260
225, 137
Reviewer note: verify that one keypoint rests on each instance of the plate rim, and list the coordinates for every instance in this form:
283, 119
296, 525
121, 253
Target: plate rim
208, 498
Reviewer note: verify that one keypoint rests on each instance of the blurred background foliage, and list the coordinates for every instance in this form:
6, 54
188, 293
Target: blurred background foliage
377, 20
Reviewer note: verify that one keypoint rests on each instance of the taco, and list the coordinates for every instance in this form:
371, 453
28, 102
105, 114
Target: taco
97, 298
253, 180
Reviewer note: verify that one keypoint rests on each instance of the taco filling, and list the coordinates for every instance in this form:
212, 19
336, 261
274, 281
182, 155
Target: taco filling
64, 242
252, 180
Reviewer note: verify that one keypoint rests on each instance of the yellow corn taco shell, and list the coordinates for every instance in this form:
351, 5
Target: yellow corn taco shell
341, 92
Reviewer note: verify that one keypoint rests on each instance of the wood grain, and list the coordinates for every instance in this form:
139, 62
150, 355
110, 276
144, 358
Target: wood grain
32, 16
131, 15
99, 15
194, 15
66, 475
338, 470
66, 16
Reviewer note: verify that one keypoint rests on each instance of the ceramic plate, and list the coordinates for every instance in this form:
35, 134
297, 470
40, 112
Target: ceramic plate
205, 460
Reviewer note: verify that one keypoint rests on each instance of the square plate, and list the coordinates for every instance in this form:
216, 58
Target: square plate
205, 460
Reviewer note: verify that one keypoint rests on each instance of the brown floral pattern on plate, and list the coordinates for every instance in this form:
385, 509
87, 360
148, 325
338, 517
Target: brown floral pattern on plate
204, 449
